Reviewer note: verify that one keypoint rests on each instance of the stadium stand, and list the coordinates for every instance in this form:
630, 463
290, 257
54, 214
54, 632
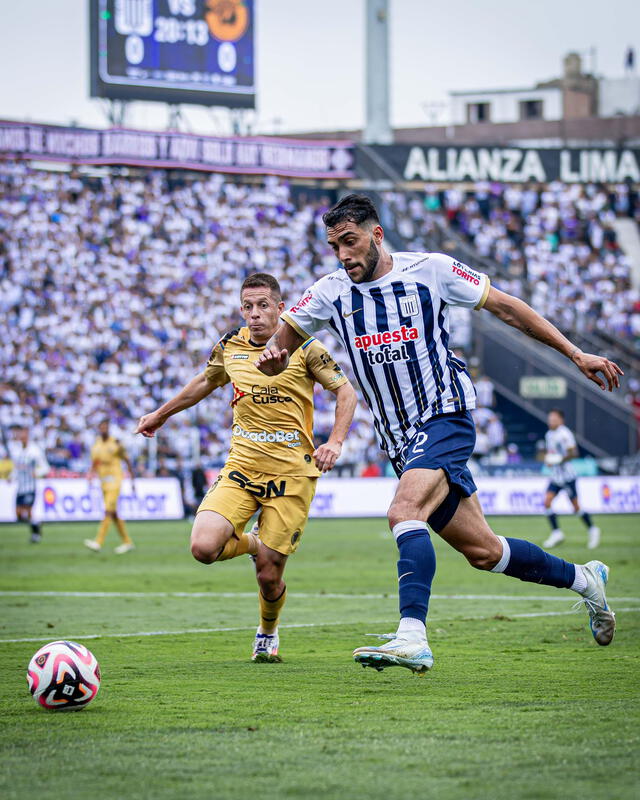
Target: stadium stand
114, 287
554, 245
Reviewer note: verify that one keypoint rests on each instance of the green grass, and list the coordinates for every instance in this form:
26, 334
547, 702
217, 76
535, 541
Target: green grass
516, 706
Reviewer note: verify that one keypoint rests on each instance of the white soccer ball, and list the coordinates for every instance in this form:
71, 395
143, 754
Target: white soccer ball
63, 676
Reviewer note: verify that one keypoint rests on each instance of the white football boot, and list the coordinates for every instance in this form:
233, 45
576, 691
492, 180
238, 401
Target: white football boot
408, 649
594, 538
555, 537
92, 545
602, 620
125, 547
265, 648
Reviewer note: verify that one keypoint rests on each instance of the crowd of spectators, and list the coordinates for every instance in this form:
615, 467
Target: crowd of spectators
554, 245
113, 290
115, 286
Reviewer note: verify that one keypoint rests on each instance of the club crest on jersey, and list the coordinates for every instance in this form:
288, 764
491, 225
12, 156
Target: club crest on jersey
409, 305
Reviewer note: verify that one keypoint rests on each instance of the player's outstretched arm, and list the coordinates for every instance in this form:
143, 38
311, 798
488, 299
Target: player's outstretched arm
328, 453
196, 390
275, 357
518, 314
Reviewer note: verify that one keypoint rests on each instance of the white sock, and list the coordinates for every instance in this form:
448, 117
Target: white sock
504, 558
580, 582
410, 625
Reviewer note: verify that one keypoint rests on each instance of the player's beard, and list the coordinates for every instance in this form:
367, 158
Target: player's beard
370, 263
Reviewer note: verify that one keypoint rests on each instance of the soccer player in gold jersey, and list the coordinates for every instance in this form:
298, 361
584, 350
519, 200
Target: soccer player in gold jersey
107, 455
272, 466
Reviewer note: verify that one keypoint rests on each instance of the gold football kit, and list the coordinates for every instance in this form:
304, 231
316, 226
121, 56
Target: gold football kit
107, 455
270, 464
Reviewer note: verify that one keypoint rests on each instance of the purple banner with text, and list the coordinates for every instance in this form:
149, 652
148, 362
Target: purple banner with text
257, 156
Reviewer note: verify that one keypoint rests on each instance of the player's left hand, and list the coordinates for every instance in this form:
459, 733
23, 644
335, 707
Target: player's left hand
590, 365
326, 455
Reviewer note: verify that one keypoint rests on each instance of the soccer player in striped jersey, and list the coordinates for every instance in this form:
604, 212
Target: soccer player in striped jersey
391, 313
561, 449
29, 463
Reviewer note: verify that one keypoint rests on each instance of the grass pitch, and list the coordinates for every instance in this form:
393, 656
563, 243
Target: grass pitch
521, 702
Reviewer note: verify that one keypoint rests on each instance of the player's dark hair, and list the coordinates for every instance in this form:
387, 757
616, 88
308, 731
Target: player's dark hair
356, 208
261, 279
557, 411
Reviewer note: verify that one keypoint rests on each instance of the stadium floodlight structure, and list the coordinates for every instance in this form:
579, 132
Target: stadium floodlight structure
377, 129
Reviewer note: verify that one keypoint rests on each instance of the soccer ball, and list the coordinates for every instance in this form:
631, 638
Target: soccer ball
64, 676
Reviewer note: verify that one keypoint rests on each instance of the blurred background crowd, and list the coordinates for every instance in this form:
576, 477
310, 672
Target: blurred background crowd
114, 287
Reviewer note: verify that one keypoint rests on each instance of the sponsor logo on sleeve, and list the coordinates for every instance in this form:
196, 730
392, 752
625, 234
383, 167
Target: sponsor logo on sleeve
301, 303
462, 271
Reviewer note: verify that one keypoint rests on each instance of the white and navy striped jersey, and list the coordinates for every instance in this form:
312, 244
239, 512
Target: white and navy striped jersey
396, 333
559, 442
29, 463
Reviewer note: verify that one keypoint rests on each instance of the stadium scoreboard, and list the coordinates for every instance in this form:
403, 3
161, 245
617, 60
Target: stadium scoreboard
174, 51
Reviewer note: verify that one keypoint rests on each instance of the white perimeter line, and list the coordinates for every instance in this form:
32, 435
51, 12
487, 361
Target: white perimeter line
293, 625
304, 595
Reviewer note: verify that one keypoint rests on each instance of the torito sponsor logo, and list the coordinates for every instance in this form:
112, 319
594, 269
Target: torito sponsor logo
466, 273
301, 303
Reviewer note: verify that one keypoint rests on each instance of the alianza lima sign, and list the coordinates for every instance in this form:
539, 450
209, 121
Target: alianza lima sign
512, 164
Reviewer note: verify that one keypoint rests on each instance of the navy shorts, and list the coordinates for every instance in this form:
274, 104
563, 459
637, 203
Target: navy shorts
444, 442
569, 487
26, 499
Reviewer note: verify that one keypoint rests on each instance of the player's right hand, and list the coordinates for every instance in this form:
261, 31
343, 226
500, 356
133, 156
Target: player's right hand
149, 424
272, 361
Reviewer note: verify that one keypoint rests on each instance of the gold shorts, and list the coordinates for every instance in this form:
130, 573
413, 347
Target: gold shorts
283, 502
110, 493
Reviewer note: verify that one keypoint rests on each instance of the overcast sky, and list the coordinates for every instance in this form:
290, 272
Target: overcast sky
310, 58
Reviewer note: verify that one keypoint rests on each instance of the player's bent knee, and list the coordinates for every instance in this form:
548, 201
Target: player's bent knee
402, 511
269, 577
269, 586
203, 553
484, 556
